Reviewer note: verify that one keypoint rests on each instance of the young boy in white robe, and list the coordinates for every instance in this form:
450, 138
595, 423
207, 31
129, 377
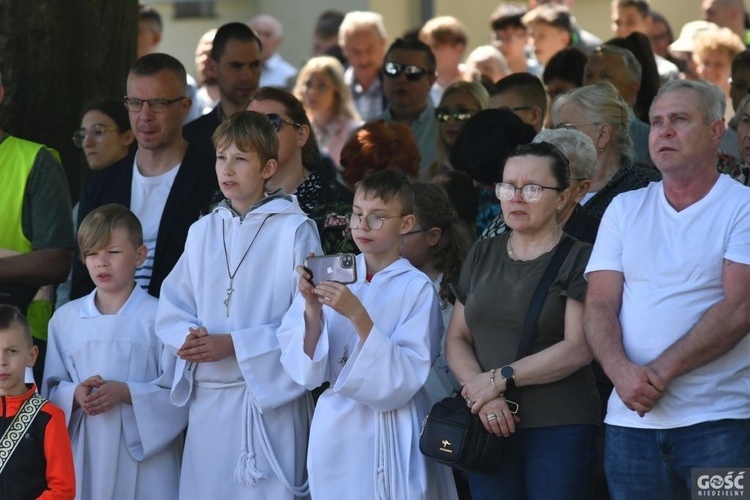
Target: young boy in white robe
111, 375
219, 310
375, 341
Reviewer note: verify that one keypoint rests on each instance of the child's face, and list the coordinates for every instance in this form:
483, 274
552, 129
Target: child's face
15, 355
112, 267
241, 176
384, 242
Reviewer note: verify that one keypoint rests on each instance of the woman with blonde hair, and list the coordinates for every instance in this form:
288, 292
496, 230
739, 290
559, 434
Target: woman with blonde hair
461, 100
712, 54
321, 88
599, 112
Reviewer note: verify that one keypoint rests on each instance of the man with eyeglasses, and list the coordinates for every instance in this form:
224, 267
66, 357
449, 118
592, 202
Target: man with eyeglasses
36, 231
409, 72
524, 94
167, 182
621, 68
235, 59
510, 36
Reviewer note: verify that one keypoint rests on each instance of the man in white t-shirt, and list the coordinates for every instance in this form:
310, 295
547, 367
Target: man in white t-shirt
668, 308
167, 182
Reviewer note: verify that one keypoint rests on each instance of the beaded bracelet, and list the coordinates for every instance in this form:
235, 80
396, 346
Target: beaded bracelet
492, 381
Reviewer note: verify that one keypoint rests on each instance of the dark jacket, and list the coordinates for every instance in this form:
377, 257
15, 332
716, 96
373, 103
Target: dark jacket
188, 199
201, 130
42, 461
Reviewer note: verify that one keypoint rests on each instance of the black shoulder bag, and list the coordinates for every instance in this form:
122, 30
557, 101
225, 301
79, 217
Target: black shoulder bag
454, 436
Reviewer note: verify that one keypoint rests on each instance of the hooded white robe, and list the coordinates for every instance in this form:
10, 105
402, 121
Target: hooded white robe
364, 440
132, 451
248, 421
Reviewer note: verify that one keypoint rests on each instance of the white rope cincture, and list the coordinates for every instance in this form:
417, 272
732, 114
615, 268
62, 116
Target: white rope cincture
387, 456
246, 471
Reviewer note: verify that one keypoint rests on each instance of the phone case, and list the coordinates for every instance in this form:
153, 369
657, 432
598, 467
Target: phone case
340, 267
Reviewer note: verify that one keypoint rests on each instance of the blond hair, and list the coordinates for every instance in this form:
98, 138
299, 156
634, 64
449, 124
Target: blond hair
721, 40
248, 131
343, 104
97, 227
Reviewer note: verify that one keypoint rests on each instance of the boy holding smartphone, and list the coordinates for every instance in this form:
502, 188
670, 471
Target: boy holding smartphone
375, 341
219, 310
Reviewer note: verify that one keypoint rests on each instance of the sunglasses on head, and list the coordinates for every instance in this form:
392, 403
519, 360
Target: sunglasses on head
459, 113
276, 121
412, 73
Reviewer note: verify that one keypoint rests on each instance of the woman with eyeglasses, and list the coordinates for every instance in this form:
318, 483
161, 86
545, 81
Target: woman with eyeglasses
105, 137
329, 104
461, 100
599, 112
550, 426
301, 169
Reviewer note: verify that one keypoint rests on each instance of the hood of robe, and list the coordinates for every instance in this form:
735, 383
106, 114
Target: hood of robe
277, 202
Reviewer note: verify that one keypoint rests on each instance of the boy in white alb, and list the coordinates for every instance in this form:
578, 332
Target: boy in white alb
219, 310
375, 341
109, 373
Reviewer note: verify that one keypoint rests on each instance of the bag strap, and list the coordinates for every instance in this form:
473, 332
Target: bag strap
18, 427
540, 296
537, 302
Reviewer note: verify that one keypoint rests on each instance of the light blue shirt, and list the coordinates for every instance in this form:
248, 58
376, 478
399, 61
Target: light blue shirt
425, 129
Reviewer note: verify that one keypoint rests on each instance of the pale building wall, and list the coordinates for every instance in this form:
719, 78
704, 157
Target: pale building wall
298, 18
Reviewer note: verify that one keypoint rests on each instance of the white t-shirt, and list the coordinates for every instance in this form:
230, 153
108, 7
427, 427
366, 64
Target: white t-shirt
672, 264
147, 201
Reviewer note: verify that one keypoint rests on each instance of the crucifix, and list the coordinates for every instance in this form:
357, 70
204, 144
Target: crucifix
228, 300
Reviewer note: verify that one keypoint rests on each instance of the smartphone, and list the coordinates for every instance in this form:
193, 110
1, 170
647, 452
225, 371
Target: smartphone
341, 267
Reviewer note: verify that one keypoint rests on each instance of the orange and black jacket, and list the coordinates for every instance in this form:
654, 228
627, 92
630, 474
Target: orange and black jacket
42, 464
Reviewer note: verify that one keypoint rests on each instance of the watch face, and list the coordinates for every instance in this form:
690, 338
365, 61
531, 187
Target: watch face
507, 371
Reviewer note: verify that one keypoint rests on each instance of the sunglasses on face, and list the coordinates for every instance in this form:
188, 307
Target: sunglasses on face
276, 121
411, 72
459, 113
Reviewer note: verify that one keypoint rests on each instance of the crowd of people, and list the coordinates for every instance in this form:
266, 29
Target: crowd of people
164, 338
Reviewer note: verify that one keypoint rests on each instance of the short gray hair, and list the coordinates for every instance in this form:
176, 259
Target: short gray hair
635, 70
361, 20
601, 103
710, 97
577, 147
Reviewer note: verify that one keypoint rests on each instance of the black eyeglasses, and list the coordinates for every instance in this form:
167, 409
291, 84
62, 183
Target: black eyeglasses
459, 113
373, 221
276, 121
155, 105
96, 132
415, 231
531, 193
412, 73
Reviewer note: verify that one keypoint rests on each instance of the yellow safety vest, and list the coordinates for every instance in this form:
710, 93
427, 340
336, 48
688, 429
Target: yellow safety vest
16, 160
